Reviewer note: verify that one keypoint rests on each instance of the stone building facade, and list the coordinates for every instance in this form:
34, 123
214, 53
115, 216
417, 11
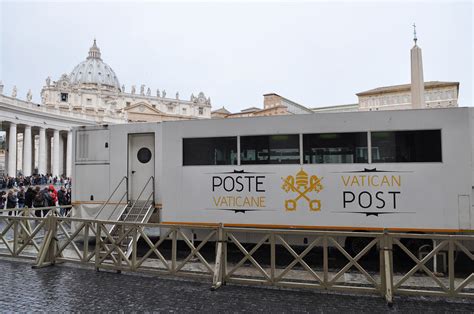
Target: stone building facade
273, 105
396, 97
36, 137
436, 94
93, 88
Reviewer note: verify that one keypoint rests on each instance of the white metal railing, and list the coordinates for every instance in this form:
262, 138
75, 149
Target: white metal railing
124, 195
152, 180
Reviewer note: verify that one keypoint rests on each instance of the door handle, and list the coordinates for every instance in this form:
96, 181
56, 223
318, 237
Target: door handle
133, 171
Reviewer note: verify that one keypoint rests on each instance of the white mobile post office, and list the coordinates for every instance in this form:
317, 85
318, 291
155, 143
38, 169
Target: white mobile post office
407, 170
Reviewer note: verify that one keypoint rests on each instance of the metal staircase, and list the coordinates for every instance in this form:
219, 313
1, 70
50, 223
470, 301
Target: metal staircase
138, 211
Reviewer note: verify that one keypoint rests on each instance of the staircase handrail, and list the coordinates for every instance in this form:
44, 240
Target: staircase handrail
145, 206
116, 205
111, 195
152, 178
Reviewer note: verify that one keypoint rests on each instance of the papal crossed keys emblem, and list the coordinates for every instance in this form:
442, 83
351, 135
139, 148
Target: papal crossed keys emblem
302, 185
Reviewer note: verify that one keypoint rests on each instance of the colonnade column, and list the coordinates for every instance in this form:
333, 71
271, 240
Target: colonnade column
27, 153
69, 154
49, 154
56, 155
42, 151
12, 150
61, 154
7, 138
34, 153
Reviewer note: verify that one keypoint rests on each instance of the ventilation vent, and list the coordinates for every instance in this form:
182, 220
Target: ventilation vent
92, 146
83, 147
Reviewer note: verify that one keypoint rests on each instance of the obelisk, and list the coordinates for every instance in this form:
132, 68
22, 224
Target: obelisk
417, 82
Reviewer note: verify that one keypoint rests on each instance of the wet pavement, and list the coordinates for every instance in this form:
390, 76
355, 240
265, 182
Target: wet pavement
71, 288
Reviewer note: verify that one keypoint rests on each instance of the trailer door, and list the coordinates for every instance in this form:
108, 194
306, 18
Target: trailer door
141, 164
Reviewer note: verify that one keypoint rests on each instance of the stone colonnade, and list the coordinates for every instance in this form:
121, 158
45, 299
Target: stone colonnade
49, 157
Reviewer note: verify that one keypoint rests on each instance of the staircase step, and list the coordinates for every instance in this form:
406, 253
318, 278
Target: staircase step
131, 213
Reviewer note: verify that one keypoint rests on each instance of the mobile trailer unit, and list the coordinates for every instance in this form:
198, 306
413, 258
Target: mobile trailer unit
404, 170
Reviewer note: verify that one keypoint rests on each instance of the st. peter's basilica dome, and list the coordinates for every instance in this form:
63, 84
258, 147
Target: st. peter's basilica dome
94, 71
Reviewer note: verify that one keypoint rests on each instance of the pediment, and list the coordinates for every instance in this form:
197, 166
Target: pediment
142, 108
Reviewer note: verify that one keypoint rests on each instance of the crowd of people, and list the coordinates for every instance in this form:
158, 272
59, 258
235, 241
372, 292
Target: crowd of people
7, 182
27, 191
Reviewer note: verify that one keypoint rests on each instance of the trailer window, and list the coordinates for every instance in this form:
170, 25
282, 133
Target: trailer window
210, 151
406, 146
335, 148
270, 149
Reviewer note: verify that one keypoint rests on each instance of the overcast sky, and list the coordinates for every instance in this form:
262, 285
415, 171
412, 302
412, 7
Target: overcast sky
315, 53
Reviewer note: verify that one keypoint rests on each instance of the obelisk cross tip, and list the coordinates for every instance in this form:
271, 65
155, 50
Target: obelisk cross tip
414, 33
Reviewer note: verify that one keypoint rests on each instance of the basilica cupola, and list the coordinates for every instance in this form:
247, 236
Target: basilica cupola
94, 52
94, 73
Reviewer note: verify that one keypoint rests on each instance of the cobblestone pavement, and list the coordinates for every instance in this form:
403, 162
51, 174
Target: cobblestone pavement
69, 288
